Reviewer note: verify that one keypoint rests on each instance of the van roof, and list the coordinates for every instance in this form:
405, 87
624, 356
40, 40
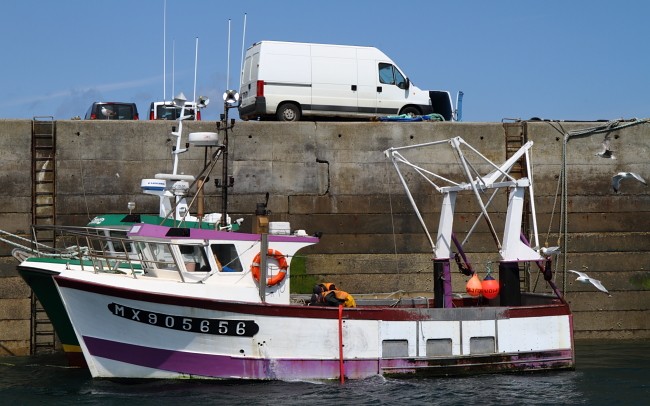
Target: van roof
309, 43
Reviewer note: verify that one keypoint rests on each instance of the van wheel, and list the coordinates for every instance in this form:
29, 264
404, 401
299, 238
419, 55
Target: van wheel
414, 111
288, 112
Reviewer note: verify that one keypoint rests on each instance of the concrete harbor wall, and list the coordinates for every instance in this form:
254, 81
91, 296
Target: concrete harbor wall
333, 178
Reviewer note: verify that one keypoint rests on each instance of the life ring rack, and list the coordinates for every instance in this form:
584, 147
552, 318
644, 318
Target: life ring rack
282, 264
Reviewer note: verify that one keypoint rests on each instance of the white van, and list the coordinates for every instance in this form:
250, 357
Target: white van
290, 80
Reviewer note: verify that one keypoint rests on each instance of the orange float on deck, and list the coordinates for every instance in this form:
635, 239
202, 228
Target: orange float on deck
473, 286
490, 287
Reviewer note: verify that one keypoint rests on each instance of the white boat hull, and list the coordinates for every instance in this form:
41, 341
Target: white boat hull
126, 331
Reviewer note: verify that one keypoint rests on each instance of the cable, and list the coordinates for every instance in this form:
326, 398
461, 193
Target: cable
392, 223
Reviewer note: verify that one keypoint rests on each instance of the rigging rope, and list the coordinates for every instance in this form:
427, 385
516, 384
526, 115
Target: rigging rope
392, 224
83, 188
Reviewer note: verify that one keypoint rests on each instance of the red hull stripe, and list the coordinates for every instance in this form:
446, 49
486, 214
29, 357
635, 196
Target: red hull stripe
359, 313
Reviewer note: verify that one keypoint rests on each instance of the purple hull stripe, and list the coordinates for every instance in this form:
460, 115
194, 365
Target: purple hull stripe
218, 366
152, 230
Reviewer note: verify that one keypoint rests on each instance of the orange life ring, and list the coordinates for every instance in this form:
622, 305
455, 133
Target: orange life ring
282, 264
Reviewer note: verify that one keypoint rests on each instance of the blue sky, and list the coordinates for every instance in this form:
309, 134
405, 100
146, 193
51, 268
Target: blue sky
555, 59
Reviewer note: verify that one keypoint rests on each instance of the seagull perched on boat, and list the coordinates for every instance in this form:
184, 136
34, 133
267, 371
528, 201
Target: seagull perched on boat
616, 179
584, 278
605, 151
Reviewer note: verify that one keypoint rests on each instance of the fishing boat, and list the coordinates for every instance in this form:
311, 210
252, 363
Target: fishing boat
183, 316
39, 262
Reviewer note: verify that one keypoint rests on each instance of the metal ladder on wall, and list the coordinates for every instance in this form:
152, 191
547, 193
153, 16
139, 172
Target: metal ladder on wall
516, 135
43, 336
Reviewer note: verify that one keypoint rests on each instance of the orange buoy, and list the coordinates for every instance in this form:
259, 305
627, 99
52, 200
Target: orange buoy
474, 286
490, 287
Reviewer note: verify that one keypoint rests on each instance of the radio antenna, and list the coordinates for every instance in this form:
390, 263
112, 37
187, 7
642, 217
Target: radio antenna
164, 50
173, 66
243, 44
228, 59
196, 63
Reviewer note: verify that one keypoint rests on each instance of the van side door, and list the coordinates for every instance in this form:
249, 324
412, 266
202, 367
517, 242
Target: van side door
367, 86
334, 80
392, 91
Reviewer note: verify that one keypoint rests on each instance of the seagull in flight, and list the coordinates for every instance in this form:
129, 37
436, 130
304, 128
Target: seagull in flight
616, 179
605, 151
584, 278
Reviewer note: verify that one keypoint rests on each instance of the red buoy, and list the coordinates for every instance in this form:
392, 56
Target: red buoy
490, 287
474, 286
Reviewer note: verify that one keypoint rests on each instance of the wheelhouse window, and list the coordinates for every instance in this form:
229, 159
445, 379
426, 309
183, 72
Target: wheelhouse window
156, 255
225, 255
118, 243
195, 258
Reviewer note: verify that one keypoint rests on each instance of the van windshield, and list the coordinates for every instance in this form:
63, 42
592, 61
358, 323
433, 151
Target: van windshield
164, 112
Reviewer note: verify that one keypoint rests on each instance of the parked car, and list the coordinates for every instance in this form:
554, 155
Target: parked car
168, 111
112, 111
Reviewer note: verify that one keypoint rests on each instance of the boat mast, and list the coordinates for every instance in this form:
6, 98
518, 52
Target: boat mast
224, 173
164, 50
196, 63
230, 100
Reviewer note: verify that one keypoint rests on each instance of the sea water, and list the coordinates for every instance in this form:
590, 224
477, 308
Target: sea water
607, 373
